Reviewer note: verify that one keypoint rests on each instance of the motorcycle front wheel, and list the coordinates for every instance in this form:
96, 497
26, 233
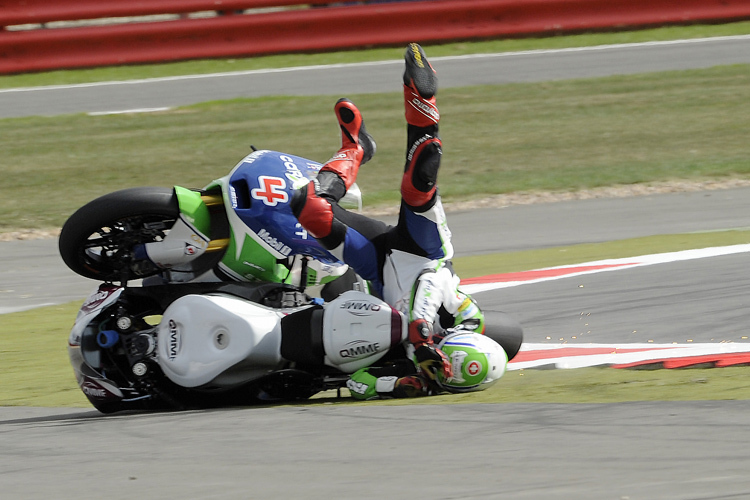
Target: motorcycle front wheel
99, 239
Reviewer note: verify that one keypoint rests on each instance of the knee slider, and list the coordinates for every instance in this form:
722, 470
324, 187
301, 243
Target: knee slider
419, 183
315, 214
426, 166
331, 186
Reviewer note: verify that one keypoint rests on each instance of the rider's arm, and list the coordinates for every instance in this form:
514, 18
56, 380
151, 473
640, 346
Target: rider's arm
427, 298
398, 379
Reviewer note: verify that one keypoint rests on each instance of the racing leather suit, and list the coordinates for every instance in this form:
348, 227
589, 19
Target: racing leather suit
407, 265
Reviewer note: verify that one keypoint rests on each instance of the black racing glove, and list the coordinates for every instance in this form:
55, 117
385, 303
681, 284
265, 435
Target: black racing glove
430, 359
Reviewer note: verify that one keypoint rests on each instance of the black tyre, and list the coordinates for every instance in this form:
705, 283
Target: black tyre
504, 330
97, 241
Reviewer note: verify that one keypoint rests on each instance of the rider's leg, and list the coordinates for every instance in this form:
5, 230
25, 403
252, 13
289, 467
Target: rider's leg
311, 204
353, 238
419, 182
397, 380
357, 147
422, 219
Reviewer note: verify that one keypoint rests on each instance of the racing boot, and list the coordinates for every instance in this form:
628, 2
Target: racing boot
357, 148
420, 87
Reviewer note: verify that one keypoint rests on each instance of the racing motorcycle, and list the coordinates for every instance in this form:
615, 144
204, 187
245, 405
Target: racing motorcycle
224, 312
200, 345
239, 228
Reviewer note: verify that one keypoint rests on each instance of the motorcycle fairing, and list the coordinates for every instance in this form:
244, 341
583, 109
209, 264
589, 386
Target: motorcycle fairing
247, 259
264, 235
100, 299
359, 329
86, 357
182, 245
260, 189
218, 339
194, 209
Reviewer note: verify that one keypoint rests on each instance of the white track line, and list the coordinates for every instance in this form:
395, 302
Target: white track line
619, 264
127, 111
621, 354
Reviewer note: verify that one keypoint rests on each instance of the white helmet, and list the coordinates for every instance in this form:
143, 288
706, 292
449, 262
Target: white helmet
478, 361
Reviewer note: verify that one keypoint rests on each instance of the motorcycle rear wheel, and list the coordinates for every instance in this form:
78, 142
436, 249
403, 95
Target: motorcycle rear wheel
98, 240
505, 330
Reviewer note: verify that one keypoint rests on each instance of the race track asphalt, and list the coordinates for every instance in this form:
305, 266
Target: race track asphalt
632, 451
646, 450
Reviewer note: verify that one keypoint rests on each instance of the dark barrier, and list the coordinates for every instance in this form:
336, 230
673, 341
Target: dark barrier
310, 28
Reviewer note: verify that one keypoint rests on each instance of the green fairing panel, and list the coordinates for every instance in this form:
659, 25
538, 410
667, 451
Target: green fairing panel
254, 262
194, 209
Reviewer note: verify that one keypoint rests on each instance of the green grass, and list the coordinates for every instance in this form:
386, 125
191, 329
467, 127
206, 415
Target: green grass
35, 366
561, 136
287, 60
595, 385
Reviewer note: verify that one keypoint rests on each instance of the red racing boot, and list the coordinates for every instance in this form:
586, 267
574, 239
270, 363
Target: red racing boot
357, 147
311, 204
420, 87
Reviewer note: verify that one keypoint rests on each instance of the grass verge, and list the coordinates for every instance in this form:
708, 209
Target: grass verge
595, 385
34, 359
558, 136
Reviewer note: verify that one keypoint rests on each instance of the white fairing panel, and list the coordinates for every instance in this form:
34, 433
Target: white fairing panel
217, 339
182, 245
358, 329
100, 299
